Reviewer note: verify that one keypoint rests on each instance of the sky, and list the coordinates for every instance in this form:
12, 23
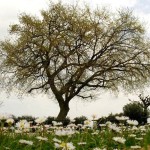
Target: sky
42, 105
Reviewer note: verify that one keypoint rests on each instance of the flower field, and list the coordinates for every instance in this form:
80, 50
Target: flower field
24, 135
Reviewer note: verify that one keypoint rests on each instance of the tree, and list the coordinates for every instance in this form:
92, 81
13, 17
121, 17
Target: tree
135, 111
145, 103
71, 52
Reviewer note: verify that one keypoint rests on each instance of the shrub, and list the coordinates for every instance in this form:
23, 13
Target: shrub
80, 120
49, 120
66, 121
28, 118
135, 111
111, 117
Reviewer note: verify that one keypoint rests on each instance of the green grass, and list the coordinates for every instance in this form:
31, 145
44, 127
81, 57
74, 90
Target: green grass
102, 138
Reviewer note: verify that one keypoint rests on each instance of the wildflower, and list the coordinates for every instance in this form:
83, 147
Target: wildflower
79, 125
10, 121
71, 125
47, 126
23, 125
56, 140
56, 123
132, 122
73, 121
94, 116
65, 146
42, 138
64, 132
95, 133
148, 120
134, 128
139, 138
6, 148
56, 145
114, 128
40, 120
82, 143
122, 118
119, 139
142, 128
102, 125
88, 123
132, 135
135, 147
108, 123
26, 142
3, 117
18, 131
97, 148
12, 128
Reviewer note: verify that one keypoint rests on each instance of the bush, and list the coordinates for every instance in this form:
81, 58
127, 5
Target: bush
28, 118
66, 121
111, 117
80, 120
49, 120
135, 111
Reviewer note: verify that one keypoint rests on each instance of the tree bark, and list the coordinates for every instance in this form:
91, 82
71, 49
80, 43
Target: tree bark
64, 109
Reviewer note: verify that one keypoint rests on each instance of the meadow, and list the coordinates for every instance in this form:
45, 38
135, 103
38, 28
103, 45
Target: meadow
25, 135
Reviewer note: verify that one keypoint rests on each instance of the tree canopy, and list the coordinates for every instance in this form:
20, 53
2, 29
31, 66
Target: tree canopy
135, 111
70, 50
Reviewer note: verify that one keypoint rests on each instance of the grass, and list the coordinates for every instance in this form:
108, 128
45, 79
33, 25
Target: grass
80, 138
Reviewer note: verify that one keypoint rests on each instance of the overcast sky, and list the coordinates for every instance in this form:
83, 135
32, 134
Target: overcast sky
41, 105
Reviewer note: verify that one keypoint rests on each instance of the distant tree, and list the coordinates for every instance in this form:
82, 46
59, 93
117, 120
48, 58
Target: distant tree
111, 117
135, 111
49, 120
28, 118
71, 52
80, 120
145, 103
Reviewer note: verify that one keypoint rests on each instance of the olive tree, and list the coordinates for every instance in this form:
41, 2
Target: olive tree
71, 51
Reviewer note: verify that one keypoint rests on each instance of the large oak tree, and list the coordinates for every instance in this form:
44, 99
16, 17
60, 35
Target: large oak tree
71, 51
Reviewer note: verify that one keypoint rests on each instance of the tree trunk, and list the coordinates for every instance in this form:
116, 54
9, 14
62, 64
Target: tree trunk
64, 109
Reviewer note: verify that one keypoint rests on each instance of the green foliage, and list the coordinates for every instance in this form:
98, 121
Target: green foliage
111, 117
66, 121
49, 120
135, 111
28, 118
80, 120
